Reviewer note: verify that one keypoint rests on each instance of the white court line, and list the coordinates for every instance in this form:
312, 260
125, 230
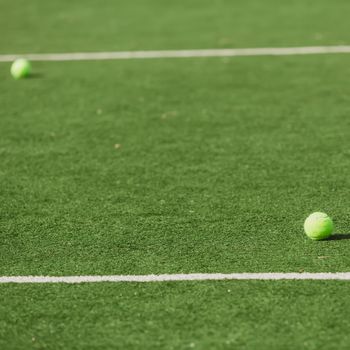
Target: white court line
344, 276
125, 55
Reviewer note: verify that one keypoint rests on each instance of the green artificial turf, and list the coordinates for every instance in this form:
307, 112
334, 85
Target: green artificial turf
220, 162
70, 26
205, 315
170, 166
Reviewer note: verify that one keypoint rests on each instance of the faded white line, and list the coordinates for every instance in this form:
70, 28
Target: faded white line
344, 276
125, 55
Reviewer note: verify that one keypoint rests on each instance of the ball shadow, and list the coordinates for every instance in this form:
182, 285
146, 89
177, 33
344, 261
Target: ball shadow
338, 237
34, 76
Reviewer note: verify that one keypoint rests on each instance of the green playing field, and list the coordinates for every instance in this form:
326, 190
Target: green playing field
174, 166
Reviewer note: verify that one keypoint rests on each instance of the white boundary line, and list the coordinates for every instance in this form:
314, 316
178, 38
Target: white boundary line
344, 276
81, 56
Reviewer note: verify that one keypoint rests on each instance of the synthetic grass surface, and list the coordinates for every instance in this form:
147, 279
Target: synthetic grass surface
205, 315
70, 26
219, 164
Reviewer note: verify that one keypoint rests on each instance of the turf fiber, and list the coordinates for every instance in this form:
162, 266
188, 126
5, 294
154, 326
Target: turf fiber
214, 172
169, 166
206, 315
71, 26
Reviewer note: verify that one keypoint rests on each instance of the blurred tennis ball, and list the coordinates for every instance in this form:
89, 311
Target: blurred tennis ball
20, 68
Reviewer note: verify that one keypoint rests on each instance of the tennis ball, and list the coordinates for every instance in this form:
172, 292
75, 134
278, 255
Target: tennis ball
20, 68
318, 226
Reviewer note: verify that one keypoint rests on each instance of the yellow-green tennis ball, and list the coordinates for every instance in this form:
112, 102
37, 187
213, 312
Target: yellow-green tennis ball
318, 226
20, 68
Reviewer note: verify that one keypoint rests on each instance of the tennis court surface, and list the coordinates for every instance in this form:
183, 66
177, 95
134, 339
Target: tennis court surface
189, 167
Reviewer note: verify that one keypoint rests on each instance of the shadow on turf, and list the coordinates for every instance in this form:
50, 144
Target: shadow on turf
339, 236
34, 76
